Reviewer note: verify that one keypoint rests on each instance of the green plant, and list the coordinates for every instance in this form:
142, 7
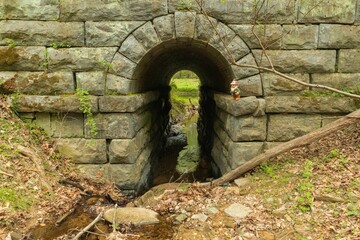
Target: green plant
15, 101
14, 198
305, 189
11, 43
353, 210
85, 107
106, 65
269, 169
185, 5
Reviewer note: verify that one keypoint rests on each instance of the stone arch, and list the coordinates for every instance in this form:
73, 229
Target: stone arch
184, 40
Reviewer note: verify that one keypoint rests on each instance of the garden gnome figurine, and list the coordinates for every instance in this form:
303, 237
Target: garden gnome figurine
234, 90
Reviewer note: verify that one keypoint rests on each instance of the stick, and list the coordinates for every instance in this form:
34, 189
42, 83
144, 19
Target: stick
297, 142
6, 174
98, 218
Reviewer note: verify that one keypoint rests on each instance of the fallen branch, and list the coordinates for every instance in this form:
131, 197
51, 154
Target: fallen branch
6, 174
75, 184
97, 219
295, 143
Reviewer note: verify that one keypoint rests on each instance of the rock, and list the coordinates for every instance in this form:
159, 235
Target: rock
237, 210
136, 216
242, 182
349, 60
300, 37
175, 141
212, 210
22, 58
181, 217
202, 217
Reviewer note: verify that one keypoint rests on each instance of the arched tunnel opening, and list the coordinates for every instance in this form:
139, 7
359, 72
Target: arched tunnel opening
154, 72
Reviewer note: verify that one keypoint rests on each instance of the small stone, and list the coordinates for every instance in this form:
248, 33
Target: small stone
212, 210
280, 211
181, 217
136, 216
202, 217
242, 182
237, 210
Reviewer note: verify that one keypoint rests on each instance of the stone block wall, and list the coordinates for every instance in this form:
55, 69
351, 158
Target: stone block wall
49, 48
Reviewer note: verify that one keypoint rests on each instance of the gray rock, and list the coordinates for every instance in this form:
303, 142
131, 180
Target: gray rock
269, 34
107, 33
93, 82
244, 106
184, 24
276, 85
42, 33
339, 11
289, 126
132, 49
241, 152
237, 210
237, 48
244, 72
251, 86
43, 120
181, 217
300, 37
339, 36
147, 36
37, 83
68, 125
53, 104
30, 10
83, 151
176, 141
165, 27
22, 58
112, 10
201, 217
80, 59
204, 29
122, 66
242, 182
348, 60
212, 210
299, 61
126, 103
136, 216
337, 80
119, 85
299, 104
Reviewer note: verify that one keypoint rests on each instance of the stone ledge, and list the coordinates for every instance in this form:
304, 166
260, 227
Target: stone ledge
42, 33
131, 103
83, 151
51, 104
300, 104
244, 106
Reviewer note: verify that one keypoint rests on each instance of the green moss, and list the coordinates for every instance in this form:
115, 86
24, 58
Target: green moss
14, 198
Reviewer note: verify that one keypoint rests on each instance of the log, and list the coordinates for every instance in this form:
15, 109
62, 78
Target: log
295, 143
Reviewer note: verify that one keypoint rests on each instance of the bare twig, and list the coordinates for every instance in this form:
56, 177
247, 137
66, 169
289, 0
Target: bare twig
6, 174
97, 219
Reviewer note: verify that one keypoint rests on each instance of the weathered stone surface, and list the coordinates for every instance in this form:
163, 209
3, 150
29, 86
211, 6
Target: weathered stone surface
132, 49
68, 125
348, 60
299, 104
119, 125
300, 37
119, 85
40, 83
222, 37
276, 85
42, 33
122, 66
338, 80
325, 119
204, 29
184, 24
243, 72
43, 120
290, 126
83, 151
338, 11
251, 86
269, 145
241, 152
52, 104
220, 154
109, 33
242, 182
357, 14
30, 10
129, 103
244, 106
299, 61
237, 48
22, 58
80, 59
200, 216
147, 36
237, 210
165, 27
270, 35
112, 10
244, 128
129, 215
93, 82
339, 36
128, 150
